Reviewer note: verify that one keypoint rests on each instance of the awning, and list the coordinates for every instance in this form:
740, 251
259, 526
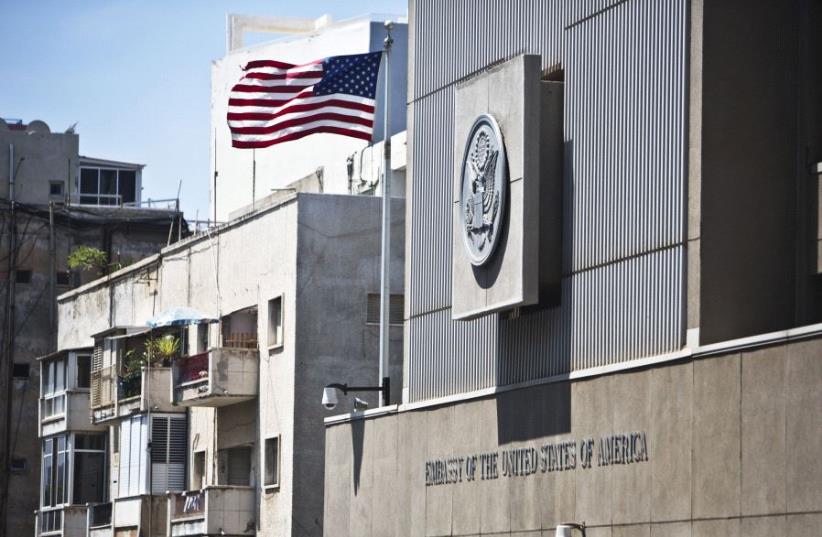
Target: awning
180, 317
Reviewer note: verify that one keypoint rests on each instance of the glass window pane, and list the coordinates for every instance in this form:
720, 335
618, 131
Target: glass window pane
88, 181
59, 375
89, 477
128, 185
271, 461
83, 370
46, 380
89, 441
59, 488
47, 471
108, 186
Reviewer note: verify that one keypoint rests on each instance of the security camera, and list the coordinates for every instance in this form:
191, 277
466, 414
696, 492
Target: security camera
329, 397
360, 405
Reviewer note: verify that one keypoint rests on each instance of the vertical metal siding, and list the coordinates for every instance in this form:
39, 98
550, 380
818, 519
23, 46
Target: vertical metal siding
624, 200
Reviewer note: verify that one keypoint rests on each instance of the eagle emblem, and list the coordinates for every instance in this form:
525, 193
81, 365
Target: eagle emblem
483, 184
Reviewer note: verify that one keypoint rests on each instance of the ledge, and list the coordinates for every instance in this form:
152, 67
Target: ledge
724, 347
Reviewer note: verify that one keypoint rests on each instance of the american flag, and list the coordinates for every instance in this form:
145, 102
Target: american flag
277, 102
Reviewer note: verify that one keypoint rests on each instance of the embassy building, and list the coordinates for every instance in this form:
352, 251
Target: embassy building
613, 311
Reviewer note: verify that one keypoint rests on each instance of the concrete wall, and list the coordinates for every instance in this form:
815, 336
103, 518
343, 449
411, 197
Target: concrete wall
47, 157
732, 450
334, 343
280, 165
761, 126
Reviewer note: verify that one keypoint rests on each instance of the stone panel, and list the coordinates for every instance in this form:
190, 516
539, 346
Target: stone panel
803, 525
804, 427
762, 526
412, 447
763, 431
671, 529
716, 437
669, 436
438, 499
716, 528
337, 507
386, 502
511, 277
631, 499
592, 416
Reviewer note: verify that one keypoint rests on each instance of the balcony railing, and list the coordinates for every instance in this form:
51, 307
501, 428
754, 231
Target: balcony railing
211, 511
242, 340
188, 504
217, 377
99, 515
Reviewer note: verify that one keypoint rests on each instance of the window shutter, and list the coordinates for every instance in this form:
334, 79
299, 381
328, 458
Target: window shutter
168, 454
96, 368
395, 309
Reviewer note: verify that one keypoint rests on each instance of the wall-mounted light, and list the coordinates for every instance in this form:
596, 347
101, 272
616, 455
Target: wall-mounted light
330, 398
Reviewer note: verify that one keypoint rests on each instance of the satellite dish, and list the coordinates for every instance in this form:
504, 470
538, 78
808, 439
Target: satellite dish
38, 127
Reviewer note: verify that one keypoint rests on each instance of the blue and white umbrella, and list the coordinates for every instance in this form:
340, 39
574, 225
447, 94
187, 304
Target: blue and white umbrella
180, 317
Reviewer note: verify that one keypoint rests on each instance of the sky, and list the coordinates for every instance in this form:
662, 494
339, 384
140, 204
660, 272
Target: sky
134, 76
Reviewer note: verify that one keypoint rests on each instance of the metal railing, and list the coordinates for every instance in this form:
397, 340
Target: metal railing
243, 340
192, 368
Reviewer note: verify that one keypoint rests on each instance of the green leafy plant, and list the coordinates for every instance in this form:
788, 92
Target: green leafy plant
87, 258
165, 348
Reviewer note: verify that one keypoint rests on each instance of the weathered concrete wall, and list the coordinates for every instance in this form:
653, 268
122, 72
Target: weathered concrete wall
334, 343
47, 157
732, 449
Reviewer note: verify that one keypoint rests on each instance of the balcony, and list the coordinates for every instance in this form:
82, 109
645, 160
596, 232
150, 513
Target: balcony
64, 392
218, 377
115, 394
215, 510
143, 515
99, 520
64, 521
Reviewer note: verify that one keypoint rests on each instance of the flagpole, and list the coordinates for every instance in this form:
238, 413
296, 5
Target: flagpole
385, 282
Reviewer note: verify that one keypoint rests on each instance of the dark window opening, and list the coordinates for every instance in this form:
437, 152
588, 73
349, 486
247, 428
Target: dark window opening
23, 276
63, 277
56, 188
83, 370
18, 464
396, 303
21, 371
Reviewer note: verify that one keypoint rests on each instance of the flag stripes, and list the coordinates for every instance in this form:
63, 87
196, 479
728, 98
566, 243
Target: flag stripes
276, 102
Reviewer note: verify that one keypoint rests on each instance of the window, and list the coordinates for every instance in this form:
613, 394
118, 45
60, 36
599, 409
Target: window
53, 387
395, 309
89, 470
237, 463
55, 188
169, 446
106, 186
18, 465
271, 478
63, 278
21, 371
198, 471
275, 322
83, 370
202, 337
23, 276
55, 469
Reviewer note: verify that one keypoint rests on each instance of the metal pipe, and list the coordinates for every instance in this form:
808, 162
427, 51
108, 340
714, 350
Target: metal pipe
385, 275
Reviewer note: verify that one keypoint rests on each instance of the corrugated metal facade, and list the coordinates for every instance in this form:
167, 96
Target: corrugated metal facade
624, 207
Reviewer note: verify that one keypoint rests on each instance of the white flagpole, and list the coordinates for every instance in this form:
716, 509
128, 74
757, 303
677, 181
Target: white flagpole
385, 281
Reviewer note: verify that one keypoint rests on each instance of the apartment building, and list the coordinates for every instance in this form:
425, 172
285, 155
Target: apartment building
53, 200
612, 315
185, 395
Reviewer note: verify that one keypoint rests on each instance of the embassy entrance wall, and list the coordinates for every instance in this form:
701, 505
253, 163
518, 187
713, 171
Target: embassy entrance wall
725, 444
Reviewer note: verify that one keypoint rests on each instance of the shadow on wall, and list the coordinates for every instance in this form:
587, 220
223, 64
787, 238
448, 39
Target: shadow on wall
536, 344
357, 438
